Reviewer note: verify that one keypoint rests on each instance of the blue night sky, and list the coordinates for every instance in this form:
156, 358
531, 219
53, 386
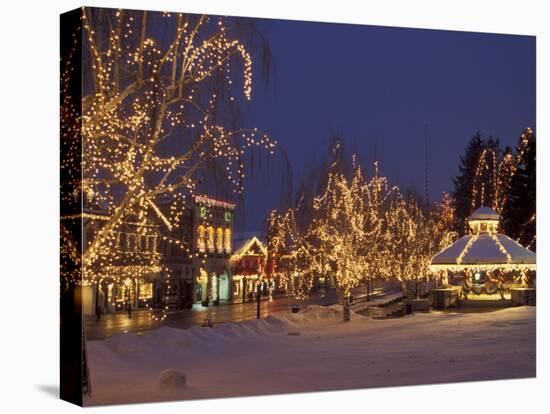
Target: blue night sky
378, 87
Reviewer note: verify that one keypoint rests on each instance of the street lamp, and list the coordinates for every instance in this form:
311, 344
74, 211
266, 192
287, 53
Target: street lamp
258, 291
295, 307
127, 282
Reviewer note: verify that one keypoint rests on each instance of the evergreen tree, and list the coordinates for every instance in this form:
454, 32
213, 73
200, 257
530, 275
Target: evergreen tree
505, 172
518, 215
464, 181
485, 188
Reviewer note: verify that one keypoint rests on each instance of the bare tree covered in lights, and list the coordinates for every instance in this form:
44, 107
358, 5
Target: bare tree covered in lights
413, 237
289, 254
339, 234
155, 120
289, 231
378, 195
402, 231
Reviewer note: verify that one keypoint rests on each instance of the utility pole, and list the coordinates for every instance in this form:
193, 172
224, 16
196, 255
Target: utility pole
426, 181
427, 189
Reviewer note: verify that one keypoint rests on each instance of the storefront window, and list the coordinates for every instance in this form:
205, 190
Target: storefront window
210, 241
201, 238
227, 241
219, 240
145, 290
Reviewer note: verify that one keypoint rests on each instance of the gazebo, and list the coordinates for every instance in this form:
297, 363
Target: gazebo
487, 259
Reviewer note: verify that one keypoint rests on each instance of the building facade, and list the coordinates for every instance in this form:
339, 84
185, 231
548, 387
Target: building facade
174, 290
212, 241
248, 265
128, 268
160, 265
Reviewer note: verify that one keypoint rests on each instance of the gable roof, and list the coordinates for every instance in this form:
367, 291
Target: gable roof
246, 247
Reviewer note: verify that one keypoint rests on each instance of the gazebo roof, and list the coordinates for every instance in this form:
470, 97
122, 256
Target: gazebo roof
484, 249
484, 213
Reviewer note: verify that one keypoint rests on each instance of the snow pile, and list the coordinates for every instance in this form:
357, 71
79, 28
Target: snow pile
313, 350
178, 339
172, 379
172, 338
125, 345
317, 313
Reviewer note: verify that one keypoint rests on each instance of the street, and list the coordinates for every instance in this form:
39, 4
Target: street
116, 323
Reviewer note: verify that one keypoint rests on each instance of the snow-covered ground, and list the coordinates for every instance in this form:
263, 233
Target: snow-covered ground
313, 351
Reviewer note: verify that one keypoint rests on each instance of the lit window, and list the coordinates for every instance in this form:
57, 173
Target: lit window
121, 242
201, 238
145, 290
142, 241
131, 243
210, 241
227, 241
219, 240
155, 244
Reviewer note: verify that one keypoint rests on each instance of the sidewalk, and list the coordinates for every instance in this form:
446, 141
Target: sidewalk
113, 324
117, 323
197, 307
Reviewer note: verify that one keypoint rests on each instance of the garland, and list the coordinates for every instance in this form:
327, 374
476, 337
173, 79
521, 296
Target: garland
493, 284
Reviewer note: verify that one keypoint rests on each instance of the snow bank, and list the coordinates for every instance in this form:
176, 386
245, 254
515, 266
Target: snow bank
317, 313
313, 350
178, 339
125, 344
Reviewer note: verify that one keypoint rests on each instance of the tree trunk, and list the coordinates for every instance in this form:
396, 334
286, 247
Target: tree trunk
347, 309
